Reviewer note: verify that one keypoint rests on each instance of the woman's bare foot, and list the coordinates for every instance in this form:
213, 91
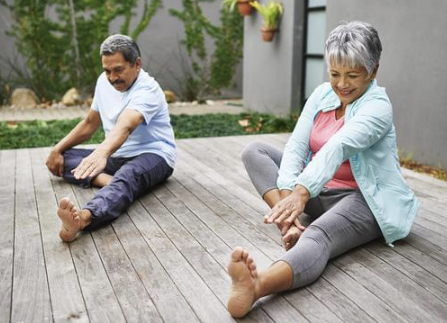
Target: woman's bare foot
246, 285
71, 222
291, 237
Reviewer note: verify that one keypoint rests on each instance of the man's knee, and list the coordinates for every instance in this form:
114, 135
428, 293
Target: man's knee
146, 171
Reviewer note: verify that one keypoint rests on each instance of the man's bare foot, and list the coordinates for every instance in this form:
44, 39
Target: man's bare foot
71, 222
246, 285
291, 237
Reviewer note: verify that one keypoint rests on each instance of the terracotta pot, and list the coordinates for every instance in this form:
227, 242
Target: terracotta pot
268, 33
244, 7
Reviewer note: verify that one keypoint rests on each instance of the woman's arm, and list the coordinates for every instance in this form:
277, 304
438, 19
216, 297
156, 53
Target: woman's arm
371, 123
296, 150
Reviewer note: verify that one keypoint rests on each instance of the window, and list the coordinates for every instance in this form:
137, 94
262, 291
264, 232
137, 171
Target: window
314, 46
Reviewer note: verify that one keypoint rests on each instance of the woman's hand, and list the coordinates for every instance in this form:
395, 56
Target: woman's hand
286, 211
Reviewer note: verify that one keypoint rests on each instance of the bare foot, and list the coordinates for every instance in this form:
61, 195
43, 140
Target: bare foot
245, 289
71, 222
291, 237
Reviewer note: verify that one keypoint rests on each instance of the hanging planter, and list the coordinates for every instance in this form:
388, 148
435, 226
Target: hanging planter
268, 33
243, 6
270, 15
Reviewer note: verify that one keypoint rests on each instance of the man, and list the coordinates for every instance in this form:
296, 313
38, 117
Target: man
138, 152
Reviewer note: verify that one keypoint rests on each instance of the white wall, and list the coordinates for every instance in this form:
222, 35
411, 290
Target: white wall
272, 71
413, 68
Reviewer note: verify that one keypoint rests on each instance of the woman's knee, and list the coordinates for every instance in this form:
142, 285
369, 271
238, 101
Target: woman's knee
253, 151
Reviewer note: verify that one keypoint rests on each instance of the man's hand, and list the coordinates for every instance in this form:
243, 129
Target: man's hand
286, 211
55, 163
91, 165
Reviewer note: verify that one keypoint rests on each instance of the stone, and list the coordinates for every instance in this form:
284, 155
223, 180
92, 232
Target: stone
170, 96
71, 97
88, 101
24, 98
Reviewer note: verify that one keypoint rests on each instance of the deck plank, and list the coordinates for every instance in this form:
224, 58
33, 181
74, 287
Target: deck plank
165, 259
370, 303
66, 298
132, 296
168, 300
30, 297
241, 201
7, 202
164, 242
375, 283
415, 269
99, 297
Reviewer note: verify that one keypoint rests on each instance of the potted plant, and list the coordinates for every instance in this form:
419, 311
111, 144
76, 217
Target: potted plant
270, 15
243, 6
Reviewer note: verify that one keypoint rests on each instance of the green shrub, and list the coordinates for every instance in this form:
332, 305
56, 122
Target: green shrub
208, 73
64, 52
48, 133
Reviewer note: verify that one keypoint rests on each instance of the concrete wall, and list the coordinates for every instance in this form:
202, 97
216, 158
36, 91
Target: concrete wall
272, 71
162, 53
413, 68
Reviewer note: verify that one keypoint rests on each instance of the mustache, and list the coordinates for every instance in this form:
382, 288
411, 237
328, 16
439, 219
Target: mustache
118, 81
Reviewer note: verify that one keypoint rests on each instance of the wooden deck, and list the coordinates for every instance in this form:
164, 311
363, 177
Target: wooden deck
165, 260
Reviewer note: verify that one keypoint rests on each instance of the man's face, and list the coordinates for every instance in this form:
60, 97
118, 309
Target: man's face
120, 73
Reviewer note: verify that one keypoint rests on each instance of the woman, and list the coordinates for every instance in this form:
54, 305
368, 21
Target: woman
340, 167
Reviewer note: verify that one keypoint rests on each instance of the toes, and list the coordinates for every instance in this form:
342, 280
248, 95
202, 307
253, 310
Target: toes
244, 256
70, 206
236, 255
252, 266
286, 238
64, 203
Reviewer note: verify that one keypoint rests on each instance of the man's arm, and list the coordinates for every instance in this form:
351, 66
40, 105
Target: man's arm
93, 164
82, 132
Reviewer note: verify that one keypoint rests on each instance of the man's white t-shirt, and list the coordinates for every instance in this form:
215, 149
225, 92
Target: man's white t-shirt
154, 134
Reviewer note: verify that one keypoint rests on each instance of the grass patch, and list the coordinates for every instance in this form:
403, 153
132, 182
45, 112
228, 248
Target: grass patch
436, 172
14, 135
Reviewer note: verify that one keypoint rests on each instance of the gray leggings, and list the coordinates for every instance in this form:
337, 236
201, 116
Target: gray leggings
337, 220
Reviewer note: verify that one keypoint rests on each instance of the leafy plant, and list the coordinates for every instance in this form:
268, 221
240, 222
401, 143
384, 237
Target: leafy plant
270, 13
208, 74
229, 5
55, 56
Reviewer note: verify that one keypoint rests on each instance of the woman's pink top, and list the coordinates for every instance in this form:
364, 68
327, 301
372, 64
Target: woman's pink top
325, 126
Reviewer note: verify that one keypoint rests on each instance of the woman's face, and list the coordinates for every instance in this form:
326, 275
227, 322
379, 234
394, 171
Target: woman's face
349, 83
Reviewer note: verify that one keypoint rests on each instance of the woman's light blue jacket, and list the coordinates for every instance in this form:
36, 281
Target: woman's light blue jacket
368, 140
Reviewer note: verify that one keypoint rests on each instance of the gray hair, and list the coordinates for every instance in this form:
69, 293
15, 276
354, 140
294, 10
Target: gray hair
354, 44
121, 43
